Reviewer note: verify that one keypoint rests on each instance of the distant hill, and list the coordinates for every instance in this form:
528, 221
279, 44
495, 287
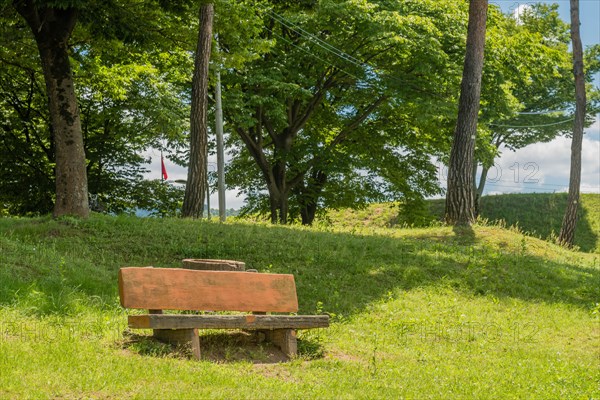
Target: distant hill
537, 214
230, 212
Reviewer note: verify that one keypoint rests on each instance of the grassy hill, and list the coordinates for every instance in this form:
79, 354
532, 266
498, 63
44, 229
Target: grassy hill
537, 214
419, 313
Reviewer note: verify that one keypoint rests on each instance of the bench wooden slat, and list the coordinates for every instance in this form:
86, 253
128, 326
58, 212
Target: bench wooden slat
181, 289
186, 321
213, 265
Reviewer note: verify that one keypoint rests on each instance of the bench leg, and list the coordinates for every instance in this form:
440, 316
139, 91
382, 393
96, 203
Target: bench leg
285, 339
180, 337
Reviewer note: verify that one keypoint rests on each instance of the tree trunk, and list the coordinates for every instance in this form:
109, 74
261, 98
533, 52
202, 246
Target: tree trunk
567, 230
274, 204
308, 211
460, 198
278, 194
280, 182
195, 189
309, 195
482, 180
52, 28
283, 209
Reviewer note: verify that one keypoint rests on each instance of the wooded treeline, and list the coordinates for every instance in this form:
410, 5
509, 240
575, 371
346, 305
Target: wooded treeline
327, 103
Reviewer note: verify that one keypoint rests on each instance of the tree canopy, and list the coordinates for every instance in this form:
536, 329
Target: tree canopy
339, 110
129, 96
327, 103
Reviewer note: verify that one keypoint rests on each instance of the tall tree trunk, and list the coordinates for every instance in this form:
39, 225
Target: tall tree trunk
459, 197
308, 211
52, 28
567, 230
482, 180
195, 189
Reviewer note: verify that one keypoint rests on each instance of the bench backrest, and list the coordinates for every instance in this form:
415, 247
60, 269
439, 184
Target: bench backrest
182, 289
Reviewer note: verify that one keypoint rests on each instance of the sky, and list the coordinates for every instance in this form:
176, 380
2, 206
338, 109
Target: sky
537, 168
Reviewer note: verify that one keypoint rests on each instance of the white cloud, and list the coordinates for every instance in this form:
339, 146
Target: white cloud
593, 132
543, 167
519, 10
549, 164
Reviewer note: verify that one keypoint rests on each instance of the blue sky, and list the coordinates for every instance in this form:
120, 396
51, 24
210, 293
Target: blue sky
542, 167
589, 15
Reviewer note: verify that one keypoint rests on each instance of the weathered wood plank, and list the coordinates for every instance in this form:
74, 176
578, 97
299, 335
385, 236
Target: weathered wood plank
285, 339
181, 289
213, 265
183, 337
266, 322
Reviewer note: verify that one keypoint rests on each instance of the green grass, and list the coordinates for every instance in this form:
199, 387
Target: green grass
416, 313
536, 214
541, 215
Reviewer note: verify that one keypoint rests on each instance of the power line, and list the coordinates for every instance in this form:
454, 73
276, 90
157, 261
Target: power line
347, 57
335, 51
319, 42
542, 112
532, 126
327, 63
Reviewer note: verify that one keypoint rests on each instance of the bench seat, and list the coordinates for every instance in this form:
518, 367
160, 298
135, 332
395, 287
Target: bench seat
251, 322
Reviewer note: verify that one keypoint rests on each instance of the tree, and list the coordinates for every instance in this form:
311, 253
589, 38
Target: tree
52, 27
131, 96
567, 230
459, 196
329, 101
193, 202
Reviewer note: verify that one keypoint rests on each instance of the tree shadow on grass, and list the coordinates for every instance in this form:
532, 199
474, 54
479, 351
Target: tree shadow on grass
464, 234
341, 273
345, 272
540, 215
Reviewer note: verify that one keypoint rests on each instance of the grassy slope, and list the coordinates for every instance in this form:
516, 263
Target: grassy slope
537, 214
417, 313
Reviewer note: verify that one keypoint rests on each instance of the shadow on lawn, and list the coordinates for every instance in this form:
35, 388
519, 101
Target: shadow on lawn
340, 273
537, 214
346, 272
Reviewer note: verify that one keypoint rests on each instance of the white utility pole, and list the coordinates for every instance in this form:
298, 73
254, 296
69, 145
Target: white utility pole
220, 151
207, 195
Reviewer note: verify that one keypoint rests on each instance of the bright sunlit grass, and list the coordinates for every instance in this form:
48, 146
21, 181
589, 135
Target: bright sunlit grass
416, 313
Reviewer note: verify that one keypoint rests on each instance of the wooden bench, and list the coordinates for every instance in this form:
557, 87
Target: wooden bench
158, 289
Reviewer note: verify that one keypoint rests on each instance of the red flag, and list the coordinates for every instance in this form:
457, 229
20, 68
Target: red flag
164, 170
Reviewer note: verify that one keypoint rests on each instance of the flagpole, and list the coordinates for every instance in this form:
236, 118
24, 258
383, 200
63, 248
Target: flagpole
162, 163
